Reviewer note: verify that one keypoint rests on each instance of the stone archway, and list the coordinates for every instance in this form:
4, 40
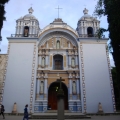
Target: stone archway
52, 95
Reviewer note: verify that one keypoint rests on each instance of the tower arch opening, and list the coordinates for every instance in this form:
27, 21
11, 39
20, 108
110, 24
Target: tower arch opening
90, 32
26, 31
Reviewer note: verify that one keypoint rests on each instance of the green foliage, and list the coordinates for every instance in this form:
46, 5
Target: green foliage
2, 13
116, 87
100, 32
3, 2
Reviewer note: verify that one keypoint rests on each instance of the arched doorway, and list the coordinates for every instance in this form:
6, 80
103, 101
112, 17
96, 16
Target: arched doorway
52, 95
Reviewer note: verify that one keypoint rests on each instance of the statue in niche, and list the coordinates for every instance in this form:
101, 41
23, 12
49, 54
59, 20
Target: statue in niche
58, 44
41, 87
14, 108
26, 31
43, 62
73, 62
100, 110
74, 87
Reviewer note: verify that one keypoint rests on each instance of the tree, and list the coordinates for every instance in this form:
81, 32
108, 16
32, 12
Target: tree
116, 87
111, 8
2, 14
100, 32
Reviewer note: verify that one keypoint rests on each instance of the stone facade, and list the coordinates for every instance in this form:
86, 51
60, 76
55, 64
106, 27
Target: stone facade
2, 71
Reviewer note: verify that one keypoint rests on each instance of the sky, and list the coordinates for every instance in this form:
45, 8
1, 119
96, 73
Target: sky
45, 12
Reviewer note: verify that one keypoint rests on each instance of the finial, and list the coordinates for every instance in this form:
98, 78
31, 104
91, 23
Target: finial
85, 11
30, 10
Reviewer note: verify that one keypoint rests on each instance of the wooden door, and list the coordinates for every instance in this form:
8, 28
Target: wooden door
52, 96
52, 99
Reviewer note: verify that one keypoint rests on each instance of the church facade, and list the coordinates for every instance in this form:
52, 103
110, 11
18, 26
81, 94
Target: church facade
38, 57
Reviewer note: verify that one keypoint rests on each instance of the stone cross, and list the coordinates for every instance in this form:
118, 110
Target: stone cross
58, 10
60, 80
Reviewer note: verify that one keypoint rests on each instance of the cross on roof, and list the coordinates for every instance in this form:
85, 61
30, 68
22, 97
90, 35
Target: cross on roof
58, 10
60, 80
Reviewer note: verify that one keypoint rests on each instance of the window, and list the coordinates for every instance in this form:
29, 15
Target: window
58, 44
73, 62
43, 62
58, 62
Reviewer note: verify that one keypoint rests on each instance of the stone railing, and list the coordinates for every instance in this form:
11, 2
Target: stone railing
21, 35
87, 35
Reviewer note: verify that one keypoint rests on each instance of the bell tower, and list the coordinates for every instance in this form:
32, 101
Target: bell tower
27, 26
87, 25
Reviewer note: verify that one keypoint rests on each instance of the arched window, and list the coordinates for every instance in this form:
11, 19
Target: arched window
74, 89
43, 62
26, 31
58, 62
58, 44
73, 62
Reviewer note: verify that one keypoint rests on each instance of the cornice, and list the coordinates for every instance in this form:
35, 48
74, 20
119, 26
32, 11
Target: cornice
93, 40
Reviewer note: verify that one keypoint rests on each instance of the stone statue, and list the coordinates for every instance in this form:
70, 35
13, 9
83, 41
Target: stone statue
41, 87
74, 87
14, 108
100, 110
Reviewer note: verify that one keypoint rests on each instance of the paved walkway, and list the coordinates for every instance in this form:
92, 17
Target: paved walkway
112, 117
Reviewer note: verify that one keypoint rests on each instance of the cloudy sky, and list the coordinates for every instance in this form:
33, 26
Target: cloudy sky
45, 12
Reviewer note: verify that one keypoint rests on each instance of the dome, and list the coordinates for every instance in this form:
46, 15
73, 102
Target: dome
86, 15
30, 16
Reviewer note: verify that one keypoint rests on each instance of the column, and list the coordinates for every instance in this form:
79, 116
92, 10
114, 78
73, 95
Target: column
38, 89
46, 61
34, 30
69, 61
69, 45
78, 89
45, 89
76, 60
47, 45
29, 29
21, 30
95, 30
16, 30
39, 61
86, 30
70, 89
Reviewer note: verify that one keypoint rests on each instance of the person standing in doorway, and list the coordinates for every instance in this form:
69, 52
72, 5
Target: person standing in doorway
25, 113
2, 111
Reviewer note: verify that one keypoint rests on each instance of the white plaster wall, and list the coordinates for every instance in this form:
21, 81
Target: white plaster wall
18, 76
97, 81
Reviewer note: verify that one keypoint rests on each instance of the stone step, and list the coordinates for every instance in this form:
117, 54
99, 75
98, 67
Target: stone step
55, 111
54, 116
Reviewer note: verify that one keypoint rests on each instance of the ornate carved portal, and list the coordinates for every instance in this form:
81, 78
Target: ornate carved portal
52, 95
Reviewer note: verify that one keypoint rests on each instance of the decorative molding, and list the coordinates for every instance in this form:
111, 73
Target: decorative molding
111, 81
83, 77
4, 73
32, 79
